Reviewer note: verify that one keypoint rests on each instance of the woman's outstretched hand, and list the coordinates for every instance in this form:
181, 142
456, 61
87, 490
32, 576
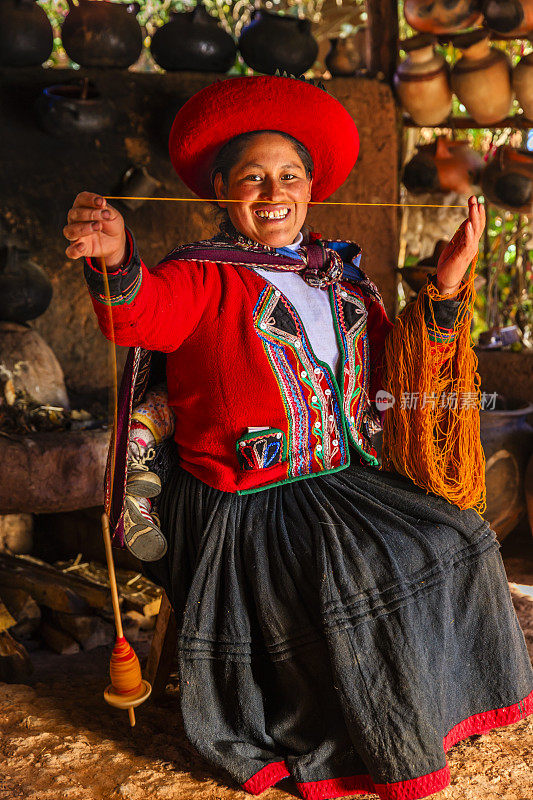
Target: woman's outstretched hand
459, 252
95, 230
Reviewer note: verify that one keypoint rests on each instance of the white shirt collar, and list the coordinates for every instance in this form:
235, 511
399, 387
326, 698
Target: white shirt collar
297, 242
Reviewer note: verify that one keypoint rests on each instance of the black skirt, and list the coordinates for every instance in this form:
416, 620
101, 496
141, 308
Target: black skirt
346, 629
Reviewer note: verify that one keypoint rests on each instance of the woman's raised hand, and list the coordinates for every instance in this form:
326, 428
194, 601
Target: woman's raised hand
95, 230
459, 252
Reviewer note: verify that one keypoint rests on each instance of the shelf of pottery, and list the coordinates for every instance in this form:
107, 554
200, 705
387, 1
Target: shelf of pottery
482, 77
108, 34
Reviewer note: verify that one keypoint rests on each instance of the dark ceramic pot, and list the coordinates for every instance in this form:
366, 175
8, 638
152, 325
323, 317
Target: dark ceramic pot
508, 179
136, 182
74, 109
26, 36
507, 440
25, 290
416, 277
272, 41
193, 41
509, 18
97, 33
346, 55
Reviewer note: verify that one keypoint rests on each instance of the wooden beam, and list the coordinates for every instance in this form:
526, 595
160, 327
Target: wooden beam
163, 649
51, 588
382, 38
517, 121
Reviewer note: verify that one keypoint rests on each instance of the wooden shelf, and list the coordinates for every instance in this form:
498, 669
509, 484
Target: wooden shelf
447, 38
517, 121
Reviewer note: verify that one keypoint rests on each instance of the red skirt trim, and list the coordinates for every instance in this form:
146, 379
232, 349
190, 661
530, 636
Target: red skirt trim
267, 776
402, 790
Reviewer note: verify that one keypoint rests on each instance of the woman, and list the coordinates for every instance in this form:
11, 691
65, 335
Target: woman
337, 623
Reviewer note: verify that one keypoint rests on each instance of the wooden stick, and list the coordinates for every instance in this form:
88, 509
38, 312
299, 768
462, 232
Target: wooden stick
112, 577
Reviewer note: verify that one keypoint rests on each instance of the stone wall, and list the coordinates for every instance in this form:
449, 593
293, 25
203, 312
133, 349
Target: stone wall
41, 174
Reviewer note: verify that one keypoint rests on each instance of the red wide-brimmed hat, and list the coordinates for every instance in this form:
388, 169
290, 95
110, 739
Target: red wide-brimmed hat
226, 108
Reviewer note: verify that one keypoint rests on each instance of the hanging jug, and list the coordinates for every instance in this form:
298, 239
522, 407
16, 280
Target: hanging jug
481, 78
509, 18
422, 81
523, 84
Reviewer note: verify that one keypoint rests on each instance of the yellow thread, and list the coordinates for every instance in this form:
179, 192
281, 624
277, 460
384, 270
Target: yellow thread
296, 202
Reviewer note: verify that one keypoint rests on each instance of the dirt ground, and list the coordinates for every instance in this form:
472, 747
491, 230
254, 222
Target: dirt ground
60, 741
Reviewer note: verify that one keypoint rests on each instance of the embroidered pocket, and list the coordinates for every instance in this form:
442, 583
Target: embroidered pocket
262, 449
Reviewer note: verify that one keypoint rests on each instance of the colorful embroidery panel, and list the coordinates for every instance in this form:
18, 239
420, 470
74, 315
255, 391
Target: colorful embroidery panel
316, 436
351, 317
262, 450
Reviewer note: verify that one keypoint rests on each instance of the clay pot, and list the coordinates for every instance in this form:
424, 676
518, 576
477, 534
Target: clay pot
26, 36
97, 33
509, 18
346, 55
523, 84
25, 290
481, 78
137, 182
422, 82
416, 277
36, 372
508, 179
444, 166
74, 109
194, 41
273, 42
442, 16
507, 439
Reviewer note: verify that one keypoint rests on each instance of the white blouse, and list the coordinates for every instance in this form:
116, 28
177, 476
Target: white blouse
313, 307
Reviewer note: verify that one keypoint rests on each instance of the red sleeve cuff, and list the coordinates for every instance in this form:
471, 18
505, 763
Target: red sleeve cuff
91, 262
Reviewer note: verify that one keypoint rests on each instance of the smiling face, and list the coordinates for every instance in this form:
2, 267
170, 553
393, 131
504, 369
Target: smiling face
269, 169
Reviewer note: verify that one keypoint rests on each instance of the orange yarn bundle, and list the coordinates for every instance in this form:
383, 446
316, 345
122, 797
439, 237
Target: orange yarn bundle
436, 444
125, 670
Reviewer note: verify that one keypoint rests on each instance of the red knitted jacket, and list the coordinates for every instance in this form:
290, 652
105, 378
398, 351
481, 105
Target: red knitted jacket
239, 359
